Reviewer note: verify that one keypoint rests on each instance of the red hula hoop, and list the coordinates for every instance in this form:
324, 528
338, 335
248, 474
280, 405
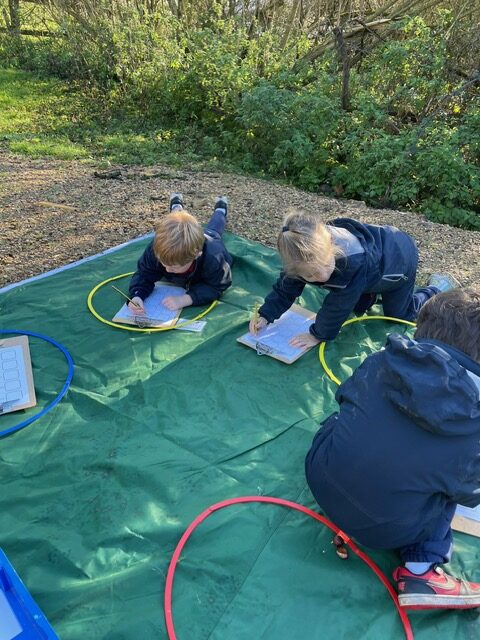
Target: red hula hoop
284, 503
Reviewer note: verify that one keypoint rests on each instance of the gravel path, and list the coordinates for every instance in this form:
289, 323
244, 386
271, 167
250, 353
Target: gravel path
54, 212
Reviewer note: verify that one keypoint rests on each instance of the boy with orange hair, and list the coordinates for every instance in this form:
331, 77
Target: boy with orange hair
185, 255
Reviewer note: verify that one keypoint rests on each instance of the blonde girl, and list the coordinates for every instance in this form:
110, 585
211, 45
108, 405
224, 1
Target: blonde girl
355, 263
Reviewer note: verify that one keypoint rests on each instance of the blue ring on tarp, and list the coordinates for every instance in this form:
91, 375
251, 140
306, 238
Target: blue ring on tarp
54, 402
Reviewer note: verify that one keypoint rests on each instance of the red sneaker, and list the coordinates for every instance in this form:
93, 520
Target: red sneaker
435, 589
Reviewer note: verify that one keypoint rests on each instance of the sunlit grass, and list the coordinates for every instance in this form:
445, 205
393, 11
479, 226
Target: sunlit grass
32, 113
23, 99
37, 148
50, 118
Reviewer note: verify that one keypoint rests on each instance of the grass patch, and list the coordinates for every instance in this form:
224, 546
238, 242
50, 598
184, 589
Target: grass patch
33, 112
48, 117
38, 148
22, 98
129, 147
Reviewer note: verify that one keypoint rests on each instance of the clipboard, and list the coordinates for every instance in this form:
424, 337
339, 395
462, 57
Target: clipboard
467, 520
273, 339
17, 390
20, 615
156, 314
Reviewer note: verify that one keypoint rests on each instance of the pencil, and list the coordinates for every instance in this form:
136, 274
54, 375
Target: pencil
256, 307
125, 296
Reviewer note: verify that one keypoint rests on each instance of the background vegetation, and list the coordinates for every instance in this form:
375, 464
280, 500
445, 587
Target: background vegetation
376, 100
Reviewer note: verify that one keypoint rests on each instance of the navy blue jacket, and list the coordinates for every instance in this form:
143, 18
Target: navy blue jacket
404, 444
379, 258
210, 277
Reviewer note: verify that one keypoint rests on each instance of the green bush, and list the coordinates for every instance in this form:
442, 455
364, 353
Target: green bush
290, 134
403, 75
411, 138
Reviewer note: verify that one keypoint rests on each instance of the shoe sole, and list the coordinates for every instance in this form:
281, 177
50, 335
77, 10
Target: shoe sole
176, 199
456, 284
438, 601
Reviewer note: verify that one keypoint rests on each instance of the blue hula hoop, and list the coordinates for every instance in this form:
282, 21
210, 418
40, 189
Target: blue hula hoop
63, 391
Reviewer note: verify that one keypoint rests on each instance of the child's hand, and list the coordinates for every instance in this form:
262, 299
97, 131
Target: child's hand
177, 302
256, 324
303, 341
136, 305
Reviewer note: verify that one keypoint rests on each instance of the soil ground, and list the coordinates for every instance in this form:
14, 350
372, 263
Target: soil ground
54, 212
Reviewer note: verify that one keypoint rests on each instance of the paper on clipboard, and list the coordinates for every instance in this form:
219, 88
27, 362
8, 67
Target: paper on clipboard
273, 340
156, 313
17, 390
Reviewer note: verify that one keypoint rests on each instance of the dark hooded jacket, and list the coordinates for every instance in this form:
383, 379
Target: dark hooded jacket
404, 444
208, 278
377, 259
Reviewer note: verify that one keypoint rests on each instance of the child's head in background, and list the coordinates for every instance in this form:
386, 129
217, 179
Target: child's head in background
453, 317
306, 247
178, 241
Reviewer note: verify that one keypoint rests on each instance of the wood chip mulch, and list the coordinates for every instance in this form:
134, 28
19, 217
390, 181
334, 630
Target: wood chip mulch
54, 212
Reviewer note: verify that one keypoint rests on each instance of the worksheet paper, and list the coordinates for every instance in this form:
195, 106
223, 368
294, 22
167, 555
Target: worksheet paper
274, 339
467, 512
156, 313
13, 378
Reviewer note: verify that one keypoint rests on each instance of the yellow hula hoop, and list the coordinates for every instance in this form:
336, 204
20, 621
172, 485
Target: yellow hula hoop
321, 350
129, 328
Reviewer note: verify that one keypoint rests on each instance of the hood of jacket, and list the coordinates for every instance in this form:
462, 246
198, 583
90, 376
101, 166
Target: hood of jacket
367, 235
436, 385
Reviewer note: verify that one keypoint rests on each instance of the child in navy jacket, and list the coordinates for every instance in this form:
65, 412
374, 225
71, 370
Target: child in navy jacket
184, 254
404, 448
355, 262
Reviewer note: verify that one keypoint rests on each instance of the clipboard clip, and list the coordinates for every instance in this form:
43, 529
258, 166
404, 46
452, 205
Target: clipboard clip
142, 321
263, 349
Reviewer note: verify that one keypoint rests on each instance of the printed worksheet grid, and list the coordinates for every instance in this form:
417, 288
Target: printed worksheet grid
10, 376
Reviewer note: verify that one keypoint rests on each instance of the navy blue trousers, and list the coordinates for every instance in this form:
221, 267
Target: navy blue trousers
438, 547
216, 224
400, 299
425, 541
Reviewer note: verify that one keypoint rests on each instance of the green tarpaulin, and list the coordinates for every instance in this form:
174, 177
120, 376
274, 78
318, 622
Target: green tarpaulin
155, 428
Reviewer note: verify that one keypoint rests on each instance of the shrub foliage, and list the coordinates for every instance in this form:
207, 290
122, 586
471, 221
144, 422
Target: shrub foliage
386, 117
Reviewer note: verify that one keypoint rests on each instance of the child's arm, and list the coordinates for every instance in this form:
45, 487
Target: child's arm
466, 471
336, 308
177, 302
303, 341
136, 305
256, 324
149, 270
284, 293
216, 278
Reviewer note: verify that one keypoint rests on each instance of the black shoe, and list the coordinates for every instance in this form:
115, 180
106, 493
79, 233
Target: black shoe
222, 203
176, 201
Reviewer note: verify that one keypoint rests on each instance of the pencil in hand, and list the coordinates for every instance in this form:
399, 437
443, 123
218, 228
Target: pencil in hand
126, 297
254, 320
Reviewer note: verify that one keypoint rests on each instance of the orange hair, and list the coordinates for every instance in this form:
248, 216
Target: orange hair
178, 238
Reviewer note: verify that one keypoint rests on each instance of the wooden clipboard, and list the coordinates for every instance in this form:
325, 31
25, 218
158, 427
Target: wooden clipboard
268, 345
465, 524
124, 316
15, 358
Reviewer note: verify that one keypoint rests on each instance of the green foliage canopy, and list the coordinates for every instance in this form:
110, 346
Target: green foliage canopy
408, 136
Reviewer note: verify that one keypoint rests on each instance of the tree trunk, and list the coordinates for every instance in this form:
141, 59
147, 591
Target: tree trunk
290, 23
344, 58
14, 17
